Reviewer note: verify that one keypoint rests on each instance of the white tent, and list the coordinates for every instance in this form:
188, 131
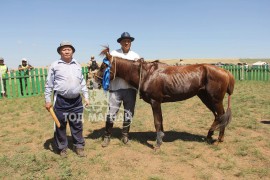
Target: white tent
259, 64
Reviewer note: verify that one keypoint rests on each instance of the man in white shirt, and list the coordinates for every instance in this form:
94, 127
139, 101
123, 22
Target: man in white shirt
121, 91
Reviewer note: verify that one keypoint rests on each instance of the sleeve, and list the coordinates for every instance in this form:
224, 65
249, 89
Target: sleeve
84, 88
49, 84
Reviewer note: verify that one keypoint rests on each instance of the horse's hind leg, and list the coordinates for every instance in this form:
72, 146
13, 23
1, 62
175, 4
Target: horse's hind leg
220, 111
207, 100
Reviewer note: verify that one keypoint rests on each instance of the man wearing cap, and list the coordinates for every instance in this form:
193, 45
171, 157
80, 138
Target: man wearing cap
121, 91
92, 69
3, 72
24, 68
66, 81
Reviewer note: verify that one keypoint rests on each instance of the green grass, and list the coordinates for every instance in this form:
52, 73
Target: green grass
27, 131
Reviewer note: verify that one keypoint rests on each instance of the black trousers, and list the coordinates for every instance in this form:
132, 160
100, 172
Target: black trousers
69, 110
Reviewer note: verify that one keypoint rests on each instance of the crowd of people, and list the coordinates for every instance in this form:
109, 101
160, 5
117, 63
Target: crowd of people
23, 69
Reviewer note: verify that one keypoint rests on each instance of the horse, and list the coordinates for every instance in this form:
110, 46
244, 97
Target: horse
160, 83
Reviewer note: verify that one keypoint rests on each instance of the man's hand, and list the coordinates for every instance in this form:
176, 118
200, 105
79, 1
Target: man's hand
48, 105
86, 103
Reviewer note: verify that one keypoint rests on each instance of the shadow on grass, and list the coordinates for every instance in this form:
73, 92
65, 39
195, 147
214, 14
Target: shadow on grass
265, 121
144, 137
50, 145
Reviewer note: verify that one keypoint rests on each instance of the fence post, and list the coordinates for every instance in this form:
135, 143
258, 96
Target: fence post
242, 72
6, 78
32, 74
37, 81
12, 78
18, 82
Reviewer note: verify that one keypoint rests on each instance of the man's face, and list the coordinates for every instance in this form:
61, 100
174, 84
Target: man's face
126, 44
66, 52
1, 62
24, 63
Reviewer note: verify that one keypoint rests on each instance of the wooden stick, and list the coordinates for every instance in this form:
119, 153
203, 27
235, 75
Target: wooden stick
55, 118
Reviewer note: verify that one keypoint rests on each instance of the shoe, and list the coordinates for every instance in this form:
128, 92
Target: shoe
63, 153
125, 139
80, 152
106, 141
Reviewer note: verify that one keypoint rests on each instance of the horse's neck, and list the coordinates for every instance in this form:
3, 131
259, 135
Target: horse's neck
126, 70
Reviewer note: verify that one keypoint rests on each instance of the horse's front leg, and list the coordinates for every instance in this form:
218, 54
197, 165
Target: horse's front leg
157, 113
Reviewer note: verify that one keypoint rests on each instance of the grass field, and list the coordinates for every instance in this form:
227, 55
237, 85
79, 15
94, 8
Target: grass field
27, 146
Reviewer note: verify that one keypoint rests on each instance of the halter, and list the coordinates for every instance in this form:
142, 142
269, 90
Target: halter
114, 74
101, 78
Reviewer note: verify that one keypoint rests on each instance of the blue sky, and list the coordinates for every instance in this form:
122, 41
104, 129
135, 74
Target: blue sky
163, 29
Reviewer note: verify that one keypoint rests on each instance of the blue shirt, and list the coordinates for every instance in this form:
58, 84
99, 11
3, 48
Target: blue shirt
66, 79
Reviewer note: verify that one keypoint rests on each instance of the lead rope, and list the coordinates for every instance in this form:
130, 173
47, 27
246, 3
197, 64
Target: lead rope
140, 79
114, 68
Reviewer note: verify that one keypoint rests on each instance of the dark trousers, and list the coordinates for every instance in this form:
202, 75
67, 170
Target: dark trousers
5, 84
128, 97
21, 84
69, 110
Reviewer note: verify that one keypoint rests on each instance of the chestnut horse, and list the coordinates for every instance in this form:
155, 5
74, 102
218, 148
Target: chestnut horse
158, 83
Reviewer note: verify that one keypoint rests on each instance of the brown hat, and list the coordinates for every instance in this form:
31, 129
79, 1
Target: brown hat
65, 43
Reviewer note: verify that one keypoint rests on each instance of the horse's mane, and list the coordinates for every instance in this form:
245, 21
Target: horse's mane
105, 51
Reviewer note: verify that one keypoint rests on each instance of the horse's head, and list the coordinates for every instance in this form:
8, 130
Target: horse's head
108, 62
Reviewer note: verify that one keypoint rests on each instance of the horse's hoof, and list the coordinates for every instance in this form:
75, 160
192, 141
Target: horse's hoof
210, 140
215, 142
156, 148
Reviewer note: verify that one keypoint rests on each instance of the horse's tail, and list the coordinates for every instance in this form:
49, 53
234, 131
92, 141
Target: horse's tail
226, 118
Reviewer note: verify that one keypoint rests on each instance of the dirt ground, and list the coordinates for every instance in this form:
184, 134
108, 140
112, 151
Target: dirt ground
27, 150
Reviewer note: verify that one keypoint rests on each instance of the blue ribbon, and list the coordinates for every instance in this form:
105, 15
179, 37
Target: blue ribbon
106, 75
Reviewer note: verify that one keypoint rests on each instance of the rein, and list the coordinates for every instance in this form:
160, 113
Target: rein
140, 79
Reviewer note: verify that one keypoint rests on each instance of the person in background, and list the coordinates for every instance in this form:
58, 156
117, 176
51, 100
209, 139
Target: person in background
3, 73
121, 91
66, 81
24, 68
93, 67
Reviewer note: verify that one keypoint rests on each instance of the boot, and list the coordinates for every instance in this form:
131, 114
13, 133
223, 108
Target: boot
125, 131
106, 141
63, 153
79, 152
125, 139
108, 132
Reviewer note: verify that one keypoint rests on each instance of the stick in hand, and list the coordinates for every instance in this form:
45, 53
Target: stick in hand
55, 118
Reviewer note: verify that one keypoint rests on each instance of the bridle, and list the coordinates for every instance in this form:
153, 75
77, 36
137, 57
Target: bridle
114, 73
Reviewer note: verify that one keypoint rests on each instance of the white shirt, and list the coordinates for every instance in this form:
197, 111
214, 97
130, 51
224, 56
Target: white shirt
65, 78
119, 83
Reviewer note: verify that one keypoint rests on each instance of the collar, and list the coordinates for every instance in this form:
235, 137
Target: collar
123, 52
73, 61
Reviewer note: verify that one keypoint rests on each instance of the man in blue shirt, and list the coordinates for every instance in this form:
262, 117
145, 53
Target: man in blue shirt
66, 80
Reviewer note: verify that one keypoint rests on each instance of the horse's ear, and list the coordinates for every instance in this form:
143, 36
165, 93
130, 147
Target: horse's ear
109, 56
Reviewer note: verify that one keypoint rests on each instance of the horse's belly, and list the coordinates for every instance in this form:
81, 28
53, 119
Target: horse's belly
179, 97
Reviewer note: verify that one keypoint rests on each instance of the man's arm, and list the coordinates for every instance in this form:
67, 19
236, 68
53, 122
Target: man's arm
30, 67
20, 67
49, 88
84, 90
